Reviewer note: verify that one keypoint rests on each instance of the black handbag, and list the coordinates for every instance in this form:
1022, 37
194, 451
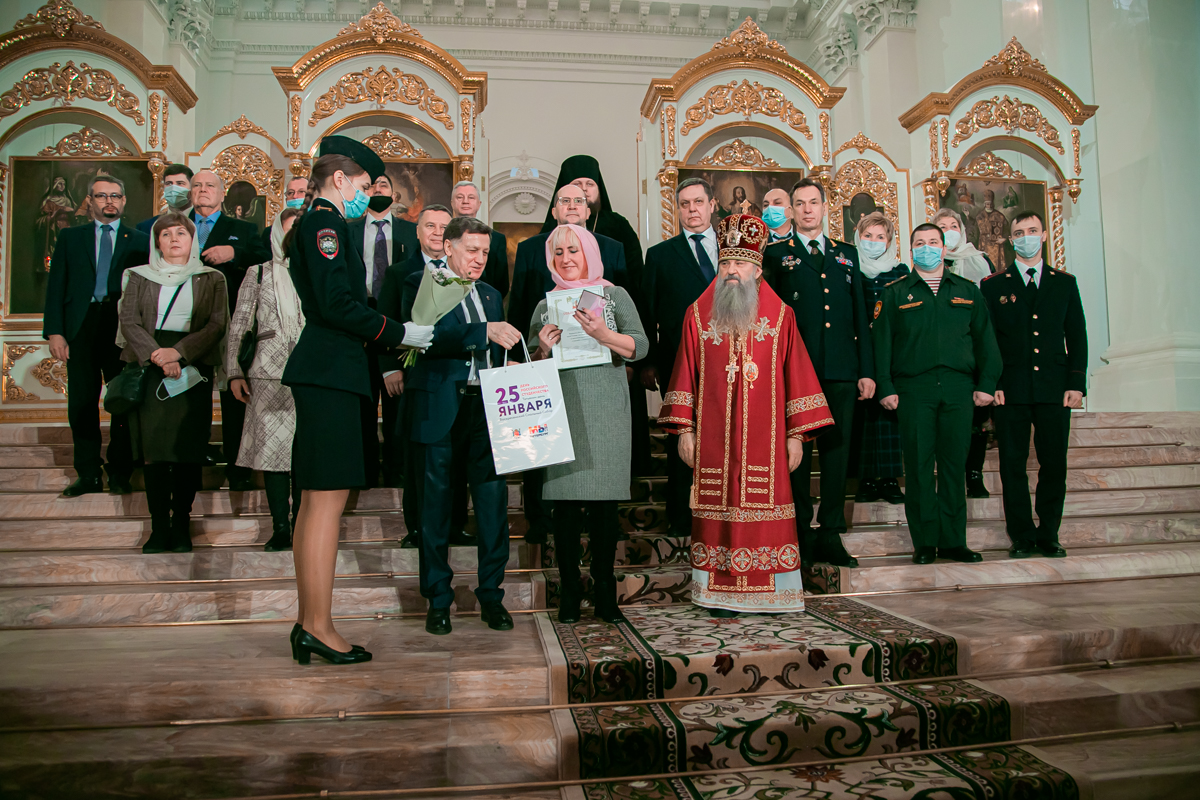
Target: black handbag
127, 391
248, 347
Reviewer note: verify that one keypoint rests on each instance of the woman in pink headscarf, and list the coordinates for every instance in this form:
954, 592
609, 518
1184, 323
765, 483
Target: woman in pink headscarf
597, 403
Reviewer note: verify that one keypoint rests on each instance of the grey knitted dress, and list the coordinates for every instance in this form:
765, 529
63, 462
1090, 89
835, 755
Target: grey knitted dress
597, 403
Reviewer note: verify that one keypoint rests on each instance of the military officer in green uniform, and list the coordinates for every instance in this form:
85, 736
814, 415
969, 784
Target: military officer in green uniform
936, 359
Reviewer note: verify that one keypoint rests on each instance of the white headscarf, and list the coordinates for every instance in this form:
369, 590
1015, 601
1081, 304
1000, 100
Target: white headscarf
286, 300
164, 273
872, 268
969, 263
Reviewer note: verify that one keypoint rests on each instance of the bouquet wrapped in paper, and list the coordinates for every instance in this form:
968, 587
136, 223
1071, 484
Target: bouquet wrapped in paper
440, 291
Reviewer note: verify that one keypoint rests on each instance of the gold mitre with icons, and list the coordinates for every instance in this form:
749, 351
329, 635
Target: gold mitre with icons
741, 237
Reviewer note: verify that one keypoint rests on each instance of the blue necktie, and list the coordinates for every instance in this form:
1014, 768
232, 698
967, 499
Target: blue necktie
205, 229
381, 258
103, 263
706, 265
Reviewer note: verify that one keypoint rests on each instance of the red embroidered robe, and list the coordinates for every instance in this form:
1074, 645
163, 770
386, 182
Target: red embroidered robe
743, 397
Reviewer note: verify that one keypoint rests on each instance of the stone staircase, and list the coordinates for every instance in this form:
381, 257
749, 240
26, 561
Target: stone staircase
168, 675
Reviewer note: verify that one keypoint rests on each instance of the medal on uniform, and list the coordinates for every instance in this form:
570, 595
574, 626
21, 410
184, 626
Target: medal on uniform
1003, 299
910, 297
1013, 298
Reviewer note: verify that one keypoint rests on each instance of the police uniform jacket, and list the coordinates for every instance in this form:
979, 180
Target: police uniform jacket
916, 332
331, 282
827, 295
1044, 345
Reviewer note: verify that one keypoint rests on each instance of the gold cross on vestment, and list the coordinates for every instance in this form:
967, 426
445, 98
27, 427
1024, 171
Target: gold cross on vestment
762, 329
732, 369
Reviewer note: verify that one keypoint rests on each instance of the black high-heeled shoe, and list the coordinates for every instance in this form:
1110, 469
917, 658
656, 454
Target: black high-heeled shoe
297, 629
307, 645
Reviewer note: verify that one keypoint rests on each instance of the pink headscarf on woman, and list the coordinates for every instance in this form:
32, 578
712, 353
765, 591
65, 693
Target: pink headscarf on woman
591, 255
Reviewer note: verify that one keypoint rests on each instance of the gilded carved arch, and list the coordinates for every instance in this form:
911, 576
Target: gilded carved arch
860, 176
246, 162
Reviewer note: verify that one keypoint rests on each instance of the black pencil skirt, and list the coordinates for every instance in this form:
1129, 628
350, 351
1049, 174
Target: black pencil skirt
327, 452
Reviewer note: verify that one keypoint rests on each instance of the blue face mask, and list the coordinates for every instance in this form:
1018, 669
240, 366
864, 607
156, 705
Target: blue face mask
356, 206
1027, 246
295, 202
872, 249
774, 216
927, 258
188, 377
176, 196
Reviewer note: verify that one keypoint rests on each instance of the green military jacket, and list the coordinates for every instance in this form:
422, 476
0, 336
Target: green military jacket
916, 331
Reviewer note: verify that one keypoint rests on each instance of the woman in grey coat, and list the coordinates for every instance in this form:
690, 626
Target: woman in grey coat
597, 403
267, 295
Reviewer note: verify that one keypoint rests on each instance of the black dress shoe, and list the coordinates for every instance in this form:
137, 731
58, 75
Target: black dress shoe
159, 542
925, 555
722, 613
975, 487
868, 491
83, 486
437, 621
830, 550
1052, 550
307, 645
463, 539
1022, 550
411, 542
537, 534
295, 634
281, 538
181, 537
964, 554
568, 607
496, 616
119, 484
889, 491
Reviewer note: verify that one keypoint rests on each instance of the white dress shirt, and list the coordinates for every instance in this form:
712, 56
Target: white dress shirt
429, 260
473, 296
180, 318
820, 240
709, 243
369, 233
1037, 276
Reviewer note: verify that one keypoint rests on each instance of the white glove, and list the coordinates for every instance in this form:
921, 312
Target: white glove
417, 337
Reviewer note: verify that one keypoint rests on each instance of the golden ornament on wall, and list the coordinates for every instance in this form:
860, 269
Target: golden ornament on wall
51, 373
933, 146
155, 103
669, 118
861, 176
746, 99
379, 22
1015, 59
750, 39
294, 104
381, 87
1057, 248
61, 16
391, 145
1008, 114
465, 106
12, 392
242, 127
1074, 189
737, 154
85, 142
1075, 150
67, 84
859, 142
166, 108
945, 130
990, 165
245, 162
667, 177
464, 169
826, 156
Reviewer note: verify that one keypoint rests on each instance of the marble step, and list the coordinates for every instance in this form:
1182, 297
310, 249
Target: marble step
268, 759
223, 563
150, 603
117, 676
1154, 767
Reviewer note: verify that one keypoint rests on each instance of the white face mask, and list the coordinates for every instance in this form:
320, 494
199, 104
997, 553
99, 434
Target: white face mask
188, 377
953, 238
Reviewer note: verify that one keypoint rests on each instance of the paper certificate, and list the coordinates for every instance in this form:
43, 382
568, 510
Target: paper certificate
575, 349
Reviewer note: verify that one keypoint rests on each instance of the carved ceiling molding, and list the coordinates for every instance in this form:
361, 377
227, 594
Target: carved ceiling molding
242, 127
990, 165
381, 87
747, 48
858, 142
1011, 67
58, 25
67, 84
1010, 115
85, 142
245, 162
745, 99
390, 145
861, 176
737, 154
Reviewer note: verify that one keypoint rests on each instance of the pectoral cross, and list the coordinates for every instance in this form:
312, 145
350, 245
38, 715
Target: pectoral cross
732, 369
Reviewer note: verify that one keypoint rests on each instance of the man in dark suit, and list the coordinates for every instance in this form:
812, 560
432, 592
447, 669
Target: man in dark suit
677, 272
443, 386
1038, 318
464, 202
177, 192
819, 278
231, 246
80, 322
531, 281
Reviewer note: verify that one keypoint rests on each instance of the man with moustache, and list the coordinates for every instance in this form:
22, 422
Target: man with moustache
531, 281
677, 273
820, 279
464, 202
80, 322
177, 193
231, 246
777, 213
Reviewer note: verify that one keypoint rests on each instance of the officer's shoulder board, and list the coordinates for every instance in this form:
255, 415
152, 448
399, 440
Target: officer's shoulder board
889, 283
994, 275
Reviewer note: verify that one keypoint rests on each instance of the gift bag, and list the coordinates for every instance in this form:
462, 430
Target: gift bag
526, 418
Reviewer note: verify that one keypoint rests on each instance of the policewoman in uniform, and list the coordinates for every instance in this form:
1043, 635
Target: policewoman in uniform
328, 373
1038, 316
936, 359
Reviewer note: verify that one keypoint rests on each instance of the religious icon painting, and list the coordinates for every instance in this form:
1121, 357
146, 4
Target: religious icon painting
740, 191
988, 206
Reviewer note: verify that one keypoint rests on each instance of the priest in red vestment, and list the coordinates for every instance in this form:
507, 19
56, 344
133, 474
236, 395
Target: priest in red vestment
743, 398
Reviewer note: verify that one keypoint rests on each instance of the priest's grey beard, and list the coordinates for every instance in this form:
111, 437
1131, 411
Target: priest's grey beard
735, 305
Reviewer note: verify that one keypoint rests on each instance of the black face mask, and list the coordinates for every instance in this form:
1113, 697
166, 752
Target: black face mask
380, 202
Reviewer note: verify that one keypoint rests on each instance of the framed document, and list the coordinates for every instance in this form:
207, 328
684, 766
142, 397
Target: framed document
575, 349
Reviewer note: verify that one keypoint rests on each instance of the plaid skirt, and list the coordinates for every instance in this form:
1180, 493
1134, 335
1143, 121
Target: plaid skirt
881, 455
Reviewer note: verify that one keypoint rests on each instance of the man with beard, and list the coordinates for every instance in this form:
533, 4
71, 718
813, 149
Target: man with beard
743, 398
993, 229
464, 202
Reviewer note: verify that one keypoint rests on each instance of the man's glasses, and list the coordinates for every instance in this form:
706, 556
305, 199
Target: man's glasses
103, 197
572, 201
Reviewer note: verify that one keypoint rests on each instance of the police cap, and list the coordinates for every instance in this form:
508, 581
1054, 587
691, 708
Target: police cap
355, 150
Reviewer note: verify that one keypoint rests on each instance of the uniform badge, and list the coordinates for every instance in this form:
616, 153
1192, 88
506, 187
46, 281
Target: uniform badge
327, 242
1013, 298
878, 308
910, 297
1003, 299
845, 262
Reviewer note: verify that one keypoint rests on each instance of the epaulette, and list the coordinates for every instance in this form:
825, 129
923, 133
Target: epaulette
994, 275
889, 283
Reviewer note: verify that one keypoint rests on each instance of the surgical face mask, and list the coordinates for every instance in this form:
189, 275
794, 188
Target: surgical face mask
1027, 246
176, 196
295, 202
927, 258
188, 377
774, 216
872, 249
356, 206
953, 238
